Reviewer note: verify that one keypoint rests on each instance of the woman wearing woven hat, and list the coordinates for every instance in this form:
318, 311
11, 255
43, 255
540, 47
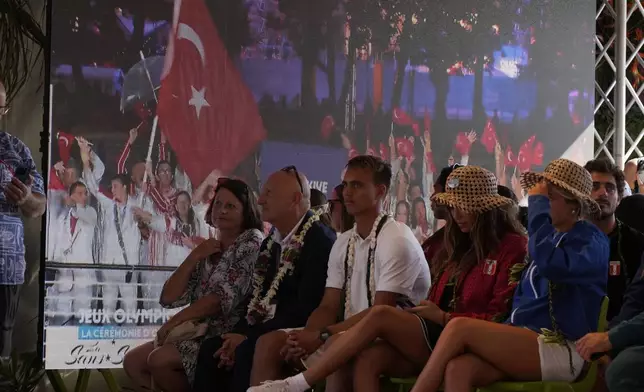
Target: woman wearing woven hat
472, 278
557, 302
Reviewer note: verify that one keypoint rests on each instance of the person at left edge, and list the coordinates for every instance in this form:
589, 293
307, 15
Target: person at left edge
289, 280
18, 198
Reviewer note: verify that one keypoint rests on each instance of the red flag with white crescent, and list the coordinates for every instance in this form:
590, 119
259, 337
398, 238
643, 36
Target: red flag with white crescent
206, 111
525, 158
510, 158
463, 144
537, 154
400, 117
489, 137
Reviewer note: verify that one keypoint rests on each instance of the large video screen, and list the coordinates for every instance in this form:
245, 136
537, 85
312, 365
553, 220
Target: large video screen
153, 101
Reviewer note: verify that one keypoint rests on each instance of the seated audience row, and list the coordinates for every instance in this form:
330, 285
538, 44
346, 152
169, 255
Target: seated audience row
365, 305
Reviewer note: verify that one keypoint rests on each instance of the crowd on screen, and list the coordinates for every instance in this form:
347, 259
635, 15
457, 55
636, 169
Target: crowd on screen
344, 295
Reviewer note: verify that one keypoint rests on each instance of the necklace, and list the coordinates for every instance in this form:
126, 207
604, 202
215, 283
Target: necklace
378, 223
258, 308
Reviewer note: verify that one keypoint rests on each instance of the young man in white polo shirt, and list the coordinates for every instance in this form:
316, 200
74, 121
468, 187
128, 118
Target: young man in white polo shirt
378, 262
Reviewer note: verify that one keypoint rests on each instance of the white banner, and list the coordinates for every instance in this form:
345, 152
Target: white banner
92, 319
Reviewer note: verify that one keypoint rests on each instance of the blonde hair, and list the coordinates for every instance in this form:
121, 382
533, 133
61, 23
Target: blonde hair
570, 198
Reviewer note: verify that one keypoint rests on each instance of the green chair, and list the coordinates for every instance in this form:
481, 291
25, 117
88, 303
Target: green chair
403, 384
585, 384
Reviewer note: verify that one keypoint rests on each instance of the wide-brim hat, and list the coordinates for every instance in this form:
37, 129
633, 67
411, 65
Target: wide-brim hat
471, 189
569, 176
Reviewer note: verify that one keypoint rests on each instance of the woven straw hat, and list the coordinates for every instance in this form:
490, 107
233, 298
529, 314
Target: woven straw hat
471, 189
567, 175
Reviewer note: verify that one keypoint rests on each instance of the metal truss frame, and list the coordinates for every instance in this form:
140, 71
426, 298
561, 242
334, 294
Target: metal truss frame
626, 95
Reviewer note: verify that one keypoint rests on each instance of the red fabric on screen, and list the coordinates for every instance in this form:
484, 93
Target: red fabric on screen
206, 111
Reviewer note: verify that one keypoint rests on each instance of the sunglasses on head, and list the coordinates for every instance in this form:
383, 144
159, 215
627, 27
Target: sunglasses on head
293, 169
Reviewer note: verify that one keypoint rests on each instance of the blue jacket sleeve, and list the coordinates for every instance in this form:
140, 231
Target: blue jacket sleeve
627, 334
578, 256
633, 298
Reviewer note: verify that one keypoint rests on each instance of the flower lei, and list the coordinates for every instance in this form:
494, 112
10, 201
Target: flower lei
258, 307
351, 252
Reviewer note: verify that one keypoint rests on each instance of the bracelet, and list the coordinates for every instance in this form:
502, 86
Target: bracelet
446, 318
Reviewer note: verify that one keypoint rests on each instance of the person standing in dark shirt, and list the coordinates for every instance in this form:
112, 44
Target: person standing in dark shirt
626, 243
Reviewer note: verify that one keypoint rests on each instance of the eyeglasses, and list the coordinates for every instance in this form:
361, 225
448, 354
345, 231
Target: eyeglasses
293, 169
4, 110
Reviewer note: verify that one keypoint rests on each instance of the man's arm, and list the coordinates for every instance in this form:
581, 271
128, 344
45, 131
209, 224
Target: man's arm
633, 298
627, 334
327, 313
382, 298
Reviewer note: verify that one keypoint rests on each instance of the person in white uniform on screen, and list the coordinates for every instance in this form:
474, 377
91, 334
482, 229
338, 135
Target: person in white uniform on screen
72, 243
121, 241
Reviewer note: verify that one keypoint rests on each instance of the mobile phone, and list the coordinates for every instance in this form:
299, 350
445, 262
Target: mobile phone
405, 303
22, 173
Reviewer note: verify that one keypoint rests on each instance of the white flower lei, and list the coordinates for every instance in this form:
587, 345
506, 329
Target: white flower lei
348, 312
287, 264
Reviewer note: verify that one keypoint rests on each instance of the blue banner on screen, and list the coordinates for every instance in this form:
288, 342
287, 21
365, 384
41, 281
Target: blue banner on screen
323, 166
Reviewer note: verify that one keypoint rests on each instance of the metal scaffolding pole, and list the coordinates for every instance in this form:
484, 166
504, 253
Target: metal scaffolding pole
619, 141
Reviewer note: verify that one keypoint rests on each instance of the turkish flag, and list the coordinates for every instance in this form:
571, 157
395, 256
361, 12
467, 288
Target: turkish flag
328, 123
525, 158
510, 158
489, 138
463, 144
537, 154
65, 143
207, 113
400, 117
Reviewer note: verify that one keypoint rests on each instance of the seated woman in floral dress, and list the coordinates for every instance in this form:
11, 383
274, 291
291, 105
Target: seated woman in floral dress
557, 302
474, 272
213, 283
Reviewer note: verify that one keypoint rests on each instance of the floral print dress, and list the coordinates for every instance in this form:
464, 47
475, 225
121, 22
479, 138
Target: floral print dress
230, 279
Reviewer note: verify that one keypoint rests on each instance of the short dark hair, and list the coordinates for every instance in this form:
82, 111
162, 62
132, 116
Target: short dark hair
318, 199
504, 191
242, 192
630, 211
441, 180
606, 166
163, 162
381, 169
75, 185
123, 179
347, 219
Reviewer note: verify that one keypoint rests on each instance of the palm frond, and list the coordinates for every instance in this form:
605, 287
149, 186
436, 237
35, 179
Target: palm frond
22, 41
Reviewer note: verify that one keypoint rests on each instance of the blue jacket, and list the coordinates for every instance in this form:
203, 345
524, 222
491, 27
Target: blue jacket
576, 262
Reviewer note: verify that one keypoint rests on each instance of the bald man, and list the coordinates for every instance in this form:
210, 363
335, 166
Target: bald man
22, 194
294, 293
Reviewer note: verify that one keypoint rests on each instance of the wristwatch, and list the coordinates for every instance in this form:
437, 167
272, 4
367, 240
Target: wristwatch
325, 334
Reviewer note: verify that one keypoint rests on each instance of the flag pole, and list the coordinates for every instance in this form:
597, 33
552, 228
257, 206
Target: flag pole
153, 132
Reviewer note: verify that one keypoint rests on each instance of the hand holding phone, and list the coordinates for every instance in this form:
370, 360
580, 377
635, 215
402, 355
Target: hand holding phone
22, 174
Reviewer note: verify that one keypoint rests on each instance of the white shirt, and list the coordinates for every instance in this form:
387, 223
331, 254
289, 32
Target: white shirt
399, 261
112, 253
76, 247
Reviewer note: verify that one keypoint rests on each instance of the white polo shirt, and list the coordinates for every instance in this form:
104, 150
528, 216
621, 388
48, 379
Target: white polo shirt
400, 265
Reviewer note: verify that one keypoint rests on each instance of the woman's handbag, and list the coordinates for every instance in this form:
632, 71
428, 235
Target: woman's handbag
185, 331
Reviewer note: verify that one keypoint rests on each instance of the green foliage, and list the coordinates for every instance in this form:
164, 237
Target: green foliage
21, 372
